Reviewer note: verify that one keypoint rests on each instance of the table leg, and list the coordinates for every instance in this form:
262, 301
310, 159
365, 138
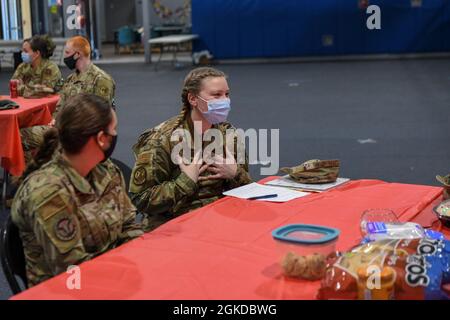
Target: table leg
192, 54
174, 60
161, 51
4, 188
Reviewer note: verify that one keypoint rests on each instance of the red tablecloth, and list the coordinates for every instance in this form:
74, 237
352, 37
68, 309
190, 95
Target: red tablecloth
226, 251
32, 112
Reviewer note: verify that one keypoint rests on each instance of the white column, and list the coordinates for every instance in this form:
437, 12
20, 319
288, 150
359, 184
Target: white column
26, 19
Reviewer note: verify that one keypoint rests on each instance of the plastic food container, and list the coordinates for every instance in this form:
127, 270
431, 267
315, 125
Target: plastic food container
305, 249
443, 213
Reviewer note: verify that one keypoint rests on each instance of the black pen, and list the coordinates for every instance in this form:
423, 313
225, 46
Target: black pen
263, 197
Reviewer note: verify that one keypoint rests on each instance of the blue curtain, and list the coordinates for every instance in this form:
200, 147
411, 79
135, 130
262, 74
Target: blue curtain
274, 28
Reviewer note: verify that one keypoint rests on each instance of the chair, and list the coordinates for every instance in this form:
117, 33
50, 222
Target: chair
126, 171
12, 256
126, 38
17, 56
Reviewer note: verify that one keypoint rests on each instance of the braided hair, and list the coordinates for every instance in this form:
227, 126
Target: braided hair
193, 84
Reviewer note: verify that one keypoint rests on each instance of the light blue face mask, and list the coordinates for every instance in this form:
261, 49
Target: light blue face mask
218, 110
26, 58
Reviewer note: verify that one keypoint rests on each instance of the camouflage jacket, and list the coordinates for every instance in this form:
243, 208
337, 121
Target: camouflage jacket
47, 74
160, 189
65, 219
94, 81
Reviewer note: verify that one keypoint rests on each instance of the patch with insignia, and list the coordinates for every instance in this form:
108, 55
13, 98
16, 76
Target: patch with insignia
65, 229
50, 206
140, 176
143, 158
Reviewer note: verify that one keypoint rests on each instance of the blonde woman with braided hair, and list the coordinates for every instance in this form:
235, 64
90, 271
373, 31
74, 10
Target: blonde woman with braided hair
162, 188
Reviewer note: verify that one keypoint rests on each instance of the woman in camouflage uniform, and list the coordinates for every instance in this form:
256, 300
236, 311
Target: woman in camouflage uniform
37, 75
163, 189
72, 204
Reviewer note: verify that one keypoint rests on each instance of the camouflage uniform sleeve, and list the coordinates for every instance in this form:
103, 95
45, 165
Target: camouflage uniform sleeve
51, 77
18, 75
153, 188
105, 88
242, 175
58, 232
62, 96
130, 229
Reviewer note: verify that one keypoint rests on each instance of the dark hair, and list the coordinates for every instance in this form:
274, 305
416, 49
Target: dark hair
44, 44
83, 116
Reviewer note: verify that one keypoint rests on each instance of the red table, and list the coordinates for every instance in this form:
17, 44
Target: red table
226, 251
32, 112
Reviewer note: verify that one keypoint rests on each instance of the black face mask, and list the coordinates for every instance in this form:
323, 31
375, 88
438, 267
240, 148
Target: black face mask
108, 152
70, 62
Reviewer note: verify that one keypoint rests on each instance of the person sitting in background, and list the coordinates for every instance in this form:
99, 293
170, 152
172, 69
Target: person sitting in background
72, 205
37, 75
162, 189
87, 77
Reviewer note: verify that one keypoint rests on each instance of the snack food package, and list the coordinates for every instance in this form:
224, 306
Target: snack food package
374, 231
390, 269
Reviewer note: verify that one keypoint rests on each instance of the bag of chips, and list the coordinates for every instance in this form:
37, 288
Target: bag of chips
390, 269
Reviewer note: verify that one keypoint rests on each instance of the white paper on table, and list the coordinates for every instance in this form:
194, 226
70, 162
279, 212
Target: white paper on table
258, 190
286, 181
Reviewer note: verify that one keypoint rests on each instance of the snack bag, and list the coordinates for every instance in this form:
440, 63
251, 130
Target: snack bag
390, 269
402, 247
375, 231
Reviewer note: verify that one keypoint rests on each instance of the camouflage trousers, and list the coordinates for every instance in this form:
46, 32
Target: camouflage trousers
32, 138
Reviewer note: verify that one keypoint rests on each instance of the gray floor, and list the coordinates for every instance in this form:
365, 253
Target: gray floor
322, 110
